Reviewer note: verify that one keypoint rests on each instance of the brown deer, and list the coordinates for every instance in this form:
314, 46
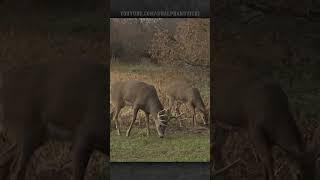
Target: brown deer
261, 108
142, 96
54, 100
182, 92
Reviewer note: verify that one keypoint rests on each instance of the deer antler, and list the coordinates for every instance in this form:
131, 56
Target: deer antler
161, 121
175, 117
162, 124
160, 113
222, 170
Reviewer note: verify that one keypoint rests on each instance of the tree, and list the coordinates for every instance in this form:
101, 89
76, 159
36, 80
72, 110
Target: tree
189, 44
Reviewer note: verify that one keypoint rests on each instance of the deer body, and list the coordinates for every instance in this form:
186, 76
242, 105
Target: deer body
41, 101
183, 92
261, 108
141, 96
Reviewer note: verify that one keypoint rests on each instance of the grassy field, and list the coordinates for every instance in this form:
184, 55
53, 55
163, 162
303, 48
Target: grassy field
178, 147
180, 144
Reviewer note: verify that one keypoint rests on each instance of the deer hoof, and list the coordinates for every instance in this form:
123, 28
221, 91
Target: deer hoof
118, 131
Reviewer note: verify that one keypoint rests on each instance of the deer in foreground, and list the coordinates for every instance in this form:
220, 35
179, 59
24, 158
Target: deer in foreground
141, 96
261, 108
64, 101
183, 92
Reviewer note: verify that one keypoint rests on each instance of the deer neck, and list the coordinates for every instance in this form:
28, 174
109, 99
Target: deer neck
154, 106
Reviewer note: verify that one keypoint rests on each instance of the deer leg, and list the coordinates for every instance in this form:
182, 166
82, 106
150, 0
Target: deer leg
205, 117
90, 135
194, 117
139, 122
193, 109
116, 116
30, 143
219, 139
135, 112
147, 120
178, 105
178, 113
81, 152
171, 104
265, 154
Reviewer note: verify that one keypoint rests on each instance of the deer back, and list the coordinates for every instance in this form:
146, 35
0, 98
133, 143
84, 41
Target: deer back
136, 93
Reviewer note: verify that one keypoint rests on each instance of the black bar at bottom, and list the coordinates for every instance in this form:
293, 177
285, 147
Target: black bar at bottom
160, 171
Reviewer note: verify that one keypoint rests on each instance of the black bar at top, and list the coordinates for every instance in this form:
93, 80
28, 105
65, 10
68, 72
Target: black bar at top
157, 8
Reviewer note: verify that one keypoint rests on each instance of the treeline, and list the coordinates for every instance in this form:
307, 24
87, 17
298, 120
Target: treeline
164, 41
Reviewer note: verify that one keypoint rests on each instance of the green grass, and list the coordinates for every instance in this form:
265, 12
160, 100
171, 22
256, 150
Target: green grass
177, 147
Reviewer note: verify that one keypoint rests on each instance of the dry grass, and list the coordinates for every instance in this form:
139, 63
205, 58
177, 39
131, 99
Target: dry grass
53, 157
50, 160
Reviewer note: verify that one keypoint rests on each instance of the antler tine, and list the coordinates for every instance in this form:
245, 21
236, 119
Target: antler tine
176, 117
222, 170
162, 124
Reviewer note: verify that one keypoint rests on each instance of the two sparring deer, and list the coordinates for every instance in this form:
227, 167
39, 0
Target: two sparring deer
54, 100
261, 108
143, 96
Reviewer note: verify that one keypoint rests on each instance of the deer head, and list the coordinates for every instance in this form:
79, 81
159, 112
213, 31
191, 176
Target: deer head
164, 116
162, 122
206, 116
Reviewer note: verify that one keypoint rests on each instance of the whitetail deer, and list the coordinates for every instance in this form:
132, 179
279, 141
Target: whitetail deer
142, 96
55, 100
182, 92
261, 108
